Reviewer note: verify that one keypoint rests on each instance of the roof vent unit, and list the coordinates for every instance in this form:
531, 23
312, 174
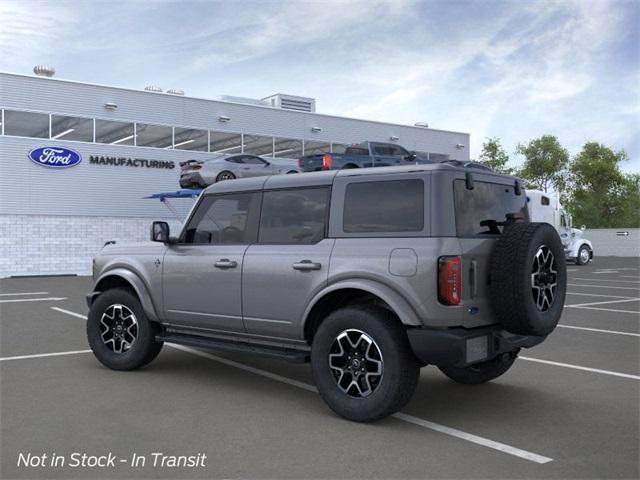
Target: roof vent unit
44, 71
291, 102
175, 91
153, 88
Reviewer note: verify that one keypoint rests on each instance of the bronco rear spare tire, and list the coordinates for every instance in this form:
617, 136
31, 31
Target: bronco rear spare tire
528, 278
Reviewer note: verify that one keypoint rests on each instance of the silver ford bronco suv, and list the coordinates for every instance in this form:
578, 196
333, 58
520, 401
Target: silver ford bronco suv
369, 274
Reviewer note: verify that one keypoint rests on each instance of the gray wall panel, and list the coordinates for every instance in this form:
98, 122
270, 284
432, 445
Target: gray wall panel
610, 242
74, 98
86, 189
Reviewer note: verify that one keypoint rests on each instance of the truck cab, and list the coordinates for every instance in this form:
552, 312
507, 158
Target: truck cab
548, 209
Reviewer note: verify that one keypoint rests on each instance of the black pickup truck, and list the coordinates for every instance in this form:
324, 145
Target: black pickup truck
361, 155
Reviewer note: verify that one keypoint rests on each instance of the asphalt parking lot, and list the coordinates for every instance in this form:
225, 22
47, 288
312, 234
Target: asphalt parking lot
567, 409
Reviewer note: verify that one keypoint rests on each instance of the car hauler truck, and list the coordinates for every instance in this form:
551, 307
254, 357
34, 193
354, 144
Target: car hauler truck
546, 208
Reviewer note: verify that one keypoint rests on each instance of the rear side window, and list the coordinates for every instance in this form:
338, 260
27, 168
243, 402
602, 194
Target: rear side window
481, 211
385, 206
356, 151
295, 216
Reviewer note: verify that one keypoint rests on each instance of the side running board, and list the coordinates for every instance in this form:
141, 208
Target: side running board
288, 354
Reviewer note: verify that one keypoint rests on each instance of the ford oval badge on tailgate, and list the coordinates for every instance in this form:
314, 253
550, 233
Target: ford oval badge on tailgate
55, 157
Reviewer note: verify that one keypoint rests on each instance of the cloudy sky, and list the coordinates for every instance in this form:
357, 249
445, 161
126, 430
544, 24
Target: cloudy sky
515, 69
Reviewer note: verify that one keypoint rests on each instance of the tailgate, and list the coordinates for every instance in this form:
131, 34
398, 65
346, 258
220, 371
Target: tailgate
476, 267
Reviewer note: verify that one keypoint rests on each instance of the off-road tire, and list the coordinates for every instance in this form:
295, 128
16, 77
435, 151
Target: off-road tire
579, 260
481, 372
511, 292
400, 369
145, 347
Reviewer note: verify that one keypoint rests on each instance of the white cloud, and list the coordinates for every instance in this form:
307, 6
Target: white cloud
32, 29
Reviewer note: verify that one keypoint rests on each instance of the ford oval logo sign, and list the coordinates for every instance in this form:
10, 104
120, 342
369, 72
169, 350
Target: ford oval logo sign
55, 157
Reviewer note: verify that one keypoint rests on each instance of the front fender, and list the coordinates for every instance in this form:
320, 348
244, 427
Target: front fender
136, 283
398, 304
575, 247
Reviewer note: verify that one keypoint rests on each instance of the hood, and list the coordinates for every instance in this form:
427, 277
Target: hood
576, 233
129, 248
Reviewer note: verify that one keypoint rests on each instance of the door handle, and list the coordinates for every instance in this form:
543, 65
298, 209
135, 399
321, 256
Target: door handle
226, 263
306, 265
473, 277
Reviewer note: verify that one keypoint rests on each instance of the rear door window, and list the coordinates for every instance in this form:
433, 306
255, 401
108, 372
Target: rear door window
481, 211
293, 216
384, 206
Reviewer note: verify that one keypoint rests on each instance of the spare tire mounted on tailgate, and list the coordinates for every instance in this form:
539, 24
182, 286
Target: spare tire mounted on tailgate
528, 278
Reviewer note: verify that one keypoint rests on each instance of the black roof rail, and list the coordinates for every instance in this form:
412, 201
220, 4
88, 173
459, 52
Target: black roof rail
468, 164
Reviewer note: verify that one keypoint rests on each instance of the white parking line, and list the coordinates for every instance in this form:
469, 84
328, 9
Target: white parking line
605, 280
605, 272
23, 293
633, 312
469, 437
68, 312
604, 286
41, 355
628, 276
578, 367
602, 303
599, 330
47, 299
533, 457
597, 295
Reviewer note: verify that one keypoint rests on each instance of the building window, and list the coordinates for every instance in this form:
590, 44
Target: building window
190, 139
294, 216
316, 148
157, 136
114, 133
287, 148
401, 211
26, 124
258, 145
225, 142
71, 128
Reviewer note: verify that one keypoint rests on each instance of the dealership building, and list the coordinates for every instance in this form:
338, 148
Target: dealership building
127, 144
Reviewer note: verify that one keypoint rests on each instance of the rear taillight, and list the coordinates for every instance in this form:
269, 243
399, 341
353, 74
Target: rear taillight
299, 163
449, 280
326, 162
196, 167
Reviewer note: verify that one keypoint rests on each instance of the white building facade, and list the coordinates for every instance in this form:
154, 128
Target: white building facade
129, 144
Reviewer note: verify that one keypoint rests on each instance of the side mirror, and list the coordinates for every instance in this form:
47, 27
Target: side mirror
160, 232
412, 155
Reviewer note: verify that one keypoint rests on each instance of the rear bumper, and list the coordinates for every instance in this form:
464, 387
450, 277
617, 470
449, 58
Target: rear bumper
461, 347
190, 180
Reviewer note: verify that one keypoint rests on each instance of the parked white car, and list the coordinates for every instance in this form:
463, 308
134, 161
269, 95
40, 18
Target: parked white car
202, 173
545, 208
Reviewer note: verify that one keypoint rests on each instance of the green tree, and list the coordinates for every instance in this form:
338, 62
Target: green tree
600, 195
494, 156
545, 163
